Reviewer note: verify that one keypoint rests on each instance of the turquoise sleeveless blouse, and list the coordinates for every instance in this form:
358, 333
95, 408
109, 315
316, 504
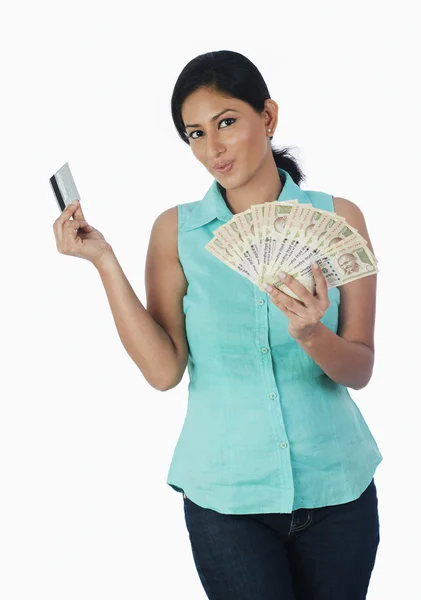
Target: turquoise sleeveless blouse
266, 430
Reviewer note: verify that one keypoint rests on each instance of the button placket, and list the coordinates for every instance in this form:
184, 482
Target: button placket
262, 339
280, 438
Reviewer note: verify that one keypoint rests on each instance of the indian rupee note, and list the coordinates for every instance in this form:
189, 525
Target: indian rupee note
287, 243
228, 236
245, 223
333, 232
301, 233
224, 254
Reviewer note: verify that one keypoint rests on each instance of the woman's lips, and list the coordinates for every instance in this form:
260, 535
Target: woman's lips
227, 168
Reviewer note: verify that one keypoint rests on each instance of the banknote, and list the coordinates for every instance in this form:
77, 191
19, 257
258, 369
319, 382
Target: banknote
290, 236
245, 224
277, 227
225, 255
290, 242
230, 237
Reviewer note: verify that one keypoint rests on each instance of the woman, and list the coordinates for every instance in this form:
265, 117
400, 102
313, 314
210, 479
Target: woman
275, 461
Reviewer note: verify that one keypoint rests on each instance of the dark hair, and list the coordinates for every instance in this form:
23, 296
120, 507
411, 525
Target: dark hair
234, 75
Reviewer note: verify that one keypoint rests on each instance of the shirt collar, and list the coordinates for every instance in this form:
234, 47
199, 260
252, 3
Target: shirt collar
213, 206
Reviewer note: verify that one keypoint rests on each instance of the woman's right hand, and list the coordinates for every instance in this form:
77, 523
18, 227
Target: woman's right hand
76, 238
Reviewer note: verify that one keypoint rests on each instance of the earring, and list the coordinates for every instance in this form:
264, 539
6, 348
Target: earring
269, 130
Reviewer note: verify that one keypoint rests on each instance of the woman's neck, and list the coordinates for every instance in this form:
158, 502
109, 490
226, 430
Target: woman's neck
265, 186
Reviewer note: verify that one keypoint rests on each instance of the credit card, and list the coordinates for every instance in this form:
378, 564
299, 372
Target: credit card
64, 186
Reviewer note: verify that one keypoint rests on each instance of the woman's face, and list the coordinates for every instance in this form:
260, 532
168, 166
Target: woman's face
239, 134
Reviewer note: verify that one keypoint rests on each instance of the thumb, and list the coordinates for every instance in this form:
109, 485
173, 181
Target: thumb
78, 214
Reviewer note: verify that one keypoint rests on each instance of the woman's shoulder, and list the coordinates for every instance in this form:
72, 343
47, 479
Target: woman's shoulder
353, 215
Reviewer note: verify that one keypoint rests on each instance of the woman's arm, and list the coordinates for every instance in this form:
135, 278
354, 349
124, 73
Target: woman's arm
154, 337
347, 356
348, 363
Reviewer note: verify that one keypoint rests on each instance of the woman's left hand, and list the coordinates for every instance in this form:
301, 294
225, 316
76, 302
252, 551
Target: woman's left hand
303, 316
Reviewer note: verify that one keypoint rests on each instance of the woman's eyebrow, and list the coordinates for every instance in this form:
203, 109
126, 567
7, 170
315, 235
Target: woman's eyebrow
213, 118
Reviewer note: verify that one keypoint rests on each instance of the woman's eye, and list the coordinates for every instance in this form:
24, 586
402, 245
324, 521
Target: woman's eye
195, 138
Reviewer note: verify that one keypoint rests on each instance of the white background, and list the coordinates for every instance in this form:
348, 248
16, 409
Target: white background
85, 442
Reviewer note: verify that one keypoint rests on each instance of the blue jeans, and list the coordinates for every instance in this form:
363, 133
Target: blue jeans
325, 553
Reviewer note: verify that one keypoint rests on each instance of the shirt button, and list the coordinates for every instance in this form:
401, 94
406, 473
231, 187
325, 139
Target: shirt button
261, 302
265, 350
283, 445
273, 395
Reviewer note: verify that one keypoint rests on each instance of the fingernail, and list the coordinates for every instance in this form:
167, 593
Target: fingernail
316, 265
267, 287
281, 274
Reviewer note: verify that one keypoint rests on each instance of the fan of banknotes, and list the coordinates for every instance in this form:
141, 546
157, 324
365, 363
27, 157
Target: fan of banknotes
289, 236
